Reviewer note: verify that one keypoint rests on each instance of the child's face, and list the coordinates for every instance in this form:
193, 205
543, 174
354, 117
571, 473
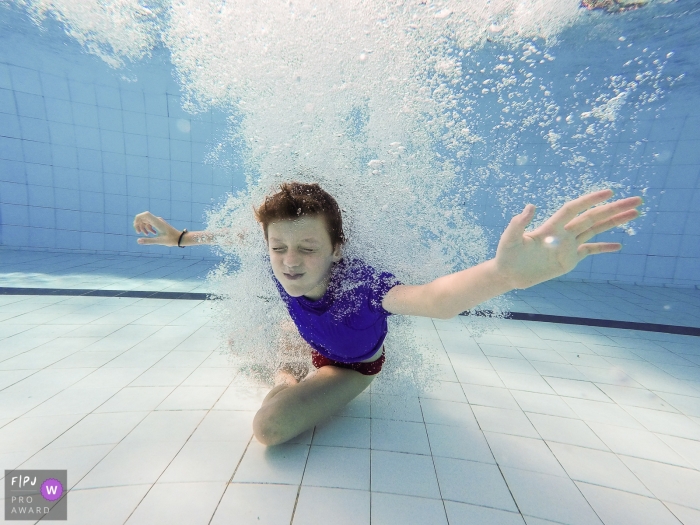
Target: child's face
301, 254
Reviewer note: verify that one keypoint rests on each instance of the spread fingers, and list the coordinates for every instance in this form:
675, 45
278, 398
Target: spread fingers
604, 225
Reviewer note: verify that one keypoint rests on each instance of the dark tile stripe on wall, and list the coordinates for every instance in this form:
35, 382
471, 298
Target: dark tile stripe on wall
542, 318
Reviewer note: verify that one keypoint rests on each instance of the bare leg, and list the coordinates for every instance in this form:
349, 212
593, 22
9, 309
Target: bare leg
290, 409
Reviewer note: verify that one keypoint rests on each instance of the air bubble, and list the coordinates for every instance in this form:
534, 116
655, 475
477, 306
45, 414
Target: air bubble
310, 105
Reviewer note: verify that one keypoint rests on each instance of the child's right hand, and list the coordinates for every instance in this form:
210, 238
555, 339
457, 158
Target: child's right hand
147, 223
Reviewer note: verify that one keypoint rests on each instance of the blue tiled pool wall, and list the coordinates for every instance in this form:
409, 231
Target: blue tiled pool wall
84, 147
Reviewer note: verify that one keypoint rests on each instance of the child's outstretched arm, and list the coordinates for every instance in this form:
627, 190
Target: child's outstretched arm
523, 259
165, 234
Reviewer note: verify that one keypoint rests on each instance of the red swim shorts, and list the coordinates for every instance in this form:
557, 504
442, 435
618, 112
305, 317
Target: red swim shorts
367, 369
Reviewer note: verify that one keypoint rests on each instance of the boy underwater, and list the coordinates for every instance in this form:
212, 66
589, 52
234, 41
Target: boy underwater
340, 307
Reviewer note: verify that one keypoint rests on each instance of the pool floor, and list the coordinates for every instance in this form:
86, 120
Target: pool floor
534, 423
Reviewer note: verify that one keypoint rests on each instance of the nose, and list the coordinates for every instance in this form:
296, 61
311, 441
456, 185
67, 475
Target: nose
291, 259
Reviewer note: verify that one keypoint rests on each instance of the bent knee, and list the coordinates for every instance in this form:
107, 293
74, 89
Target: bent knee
267, 429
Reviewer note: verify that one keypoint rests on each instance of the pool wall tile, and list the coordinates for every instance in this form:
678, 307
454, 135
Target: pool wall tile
118, 142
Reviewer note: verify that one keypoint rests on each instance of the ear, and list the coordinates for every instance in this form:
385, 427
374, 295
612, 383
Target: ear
338, 253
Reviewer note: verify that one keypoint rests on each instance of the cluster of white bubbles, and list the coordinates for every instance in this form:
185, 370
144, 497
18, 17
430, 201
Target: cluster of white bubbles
376, 101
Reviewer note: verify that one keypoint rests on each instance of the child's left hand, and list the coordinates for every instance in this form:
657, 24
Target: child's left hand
557, 246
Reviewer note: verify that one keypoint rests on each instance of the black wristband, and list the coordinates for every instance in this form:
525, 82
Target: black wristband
180, 239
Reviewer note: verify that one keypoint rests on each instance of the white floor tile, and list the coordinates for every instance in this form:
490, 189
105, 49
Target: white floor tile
408, 474
43, 385
238, 397
545, 370
10, 377
201, 461
621, 508
182, 359
131, 464
111, 377
514, 366
667, 482
204, 376
393, 509
447, 412
539, 353
162, 376
597, 467
279, 464
465, 442
527, 382
565, 430
490, 396
668, 423
338, 467
319, 506
564, 371
399, 436
34, 433
74, 400
447, 391
688, 448
479, 376
504, 421
78, 461
688, 405
524, 453
192, 398
343, 432
86, 359
225, 425
359, 407
135, 357
608, 376
176, 426
250, 504
637, 443
179, 503
686, 515
635, 397
584, 358
135, 399
472, 482
463, 363
402, 408
549, 497
108, 505
609, 413
446, 372
463, 513
99, 429
542, 404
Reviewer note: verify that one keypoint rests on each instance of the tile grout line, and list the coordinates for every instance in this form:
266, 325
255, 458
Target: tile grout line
503, 477
301, 481
93, 410
370, 453
178, 452
432, 459
230, 481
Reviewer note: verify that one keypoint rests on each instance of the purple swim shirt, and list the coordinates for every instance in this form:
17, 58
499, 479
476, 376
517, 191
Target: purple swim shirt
347, 324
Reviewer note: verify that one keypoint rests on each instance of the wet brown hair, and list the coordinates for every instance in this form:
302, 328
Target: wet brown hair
295, 200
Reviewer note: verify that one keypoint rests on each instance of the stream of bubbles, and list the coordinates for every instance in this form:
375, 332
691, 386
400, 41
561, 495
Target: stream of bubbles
381, 103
